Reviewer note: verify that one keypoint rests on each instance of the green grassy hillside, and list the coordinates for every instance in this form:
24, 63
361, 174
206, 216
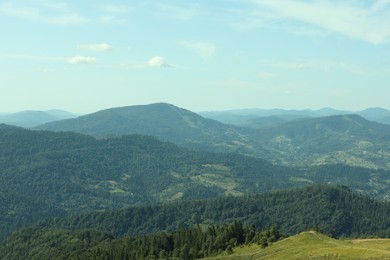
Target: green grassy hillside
314, 245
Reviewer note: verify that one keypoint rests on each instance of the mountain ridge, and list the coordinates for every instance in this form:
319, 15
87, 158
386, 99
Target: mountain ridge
69, 172
33, 118
240, 116
301, 142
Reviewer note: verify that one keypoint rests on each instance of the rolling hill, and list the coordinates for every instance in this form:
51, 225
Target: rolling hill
223, 224
334, 210
164, 121
63, 173
239, 116
347, 139
314, 245
263, 122
31, 118
374, 114
385, 120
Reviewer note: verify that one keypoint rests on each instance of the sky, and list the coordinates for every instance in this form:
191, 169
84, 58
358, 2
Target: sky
206, 55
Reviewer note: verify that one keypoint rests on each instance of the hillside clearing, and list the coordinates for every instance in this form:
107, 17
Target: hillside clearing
314, 245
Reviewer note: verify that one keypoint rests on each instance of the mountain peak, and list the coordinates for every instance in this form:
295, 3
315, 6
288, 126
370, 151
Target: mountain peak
163, 120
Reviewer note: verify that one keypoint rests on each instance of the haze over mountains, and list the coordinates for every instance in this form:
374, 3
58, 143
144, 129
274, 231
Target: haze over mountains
99, 170
347, 139
256, 118
244, 116
30, 118
46, 174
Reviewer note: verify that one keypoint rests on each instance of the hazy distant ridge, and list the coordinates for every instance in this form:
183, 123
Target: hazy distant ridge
30, 118
244, 116
347, 139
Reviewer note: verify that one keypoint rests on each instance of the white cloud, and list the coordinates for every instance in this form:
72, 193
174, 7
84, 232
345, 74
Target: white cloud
204, 49
81, 60
45, 11
155, 62
99, 47
350, 18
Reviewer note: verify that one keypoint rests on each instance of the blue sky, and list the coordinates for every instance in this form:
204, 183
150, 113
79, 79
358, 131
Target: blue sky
83, 56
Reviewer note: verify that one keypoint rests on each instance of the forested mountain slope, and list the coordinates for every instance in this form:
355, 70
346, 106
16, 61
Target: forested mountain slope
223, 224
165, 121
45, 174
346, 139
240, 116
191, 243
334, 210
61, 173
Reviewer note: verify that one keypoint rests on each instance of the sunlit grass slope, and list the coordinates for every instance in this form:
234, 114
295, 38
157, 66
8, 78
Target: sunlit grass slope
313, 245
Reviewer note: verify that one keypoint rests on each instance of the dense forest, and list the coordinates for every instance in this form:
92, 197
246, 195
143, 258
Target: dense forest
46, 174
192, 243
199, 228
345, 139
335, 210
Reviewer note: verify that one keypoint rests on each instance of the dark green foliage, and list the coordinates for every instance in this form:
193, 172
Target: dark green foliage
192, 243
199, 228
45, 174
347, 139
333, 210
17, 211
34, 243
164, 121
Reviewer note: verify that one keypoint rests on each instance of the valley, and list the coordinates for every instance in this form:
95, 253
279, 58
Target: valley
139, 170
183, 130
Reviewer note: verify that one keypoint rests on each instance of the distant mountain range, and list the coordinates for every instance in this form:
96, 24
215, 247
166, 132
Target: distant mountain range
30, 118
245, 117
120, 157
253, 118
347, 139
164, 121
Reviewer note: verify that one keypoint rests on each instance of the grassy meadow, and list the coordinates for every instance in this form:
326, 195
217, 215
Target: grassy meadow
314, 245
